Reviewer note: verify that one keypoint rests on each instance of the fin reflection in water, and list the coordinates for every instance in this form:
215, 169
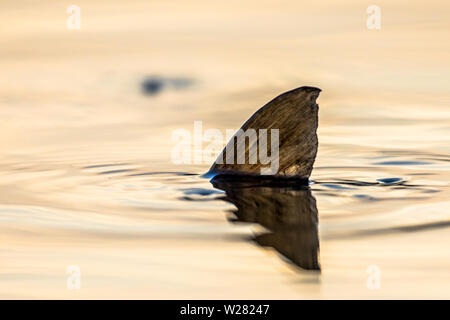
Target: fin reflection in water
285, 207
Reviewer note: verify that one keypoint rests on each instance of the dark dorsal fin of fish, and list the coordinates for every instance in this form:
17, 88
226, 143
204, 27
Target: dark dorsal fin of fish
295, 115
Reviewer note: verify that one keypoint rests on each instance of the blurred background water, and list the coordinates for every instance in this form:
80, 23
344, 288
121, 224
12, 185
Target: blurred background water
86, 176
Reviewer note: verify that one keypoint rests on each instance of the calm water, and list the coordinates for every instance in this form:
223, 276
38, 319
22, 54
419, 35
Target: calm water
86, 177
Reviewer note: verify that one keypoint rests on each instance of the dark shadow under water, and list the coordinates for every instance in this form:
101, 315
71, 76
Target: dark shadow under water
286, 208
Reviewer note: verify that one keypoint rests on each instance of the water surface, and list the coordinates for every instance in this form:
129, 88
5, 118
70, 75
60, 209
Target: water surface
86, 176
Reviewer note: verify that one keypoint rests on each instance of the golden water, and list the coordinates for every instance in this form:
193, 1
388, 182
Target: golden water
86, 177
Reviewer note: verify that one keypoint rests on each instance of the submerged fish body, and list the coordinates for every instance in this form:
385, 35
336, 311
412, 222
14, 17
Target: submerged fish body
292, 119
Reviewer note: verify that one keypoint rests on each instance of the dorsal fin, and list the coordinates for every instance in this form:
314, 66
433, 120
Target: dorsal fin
290, 121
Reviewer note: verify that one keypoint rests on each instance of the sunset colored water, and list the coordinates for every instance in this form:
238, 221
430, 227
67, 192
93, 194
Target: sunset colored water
87, 178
